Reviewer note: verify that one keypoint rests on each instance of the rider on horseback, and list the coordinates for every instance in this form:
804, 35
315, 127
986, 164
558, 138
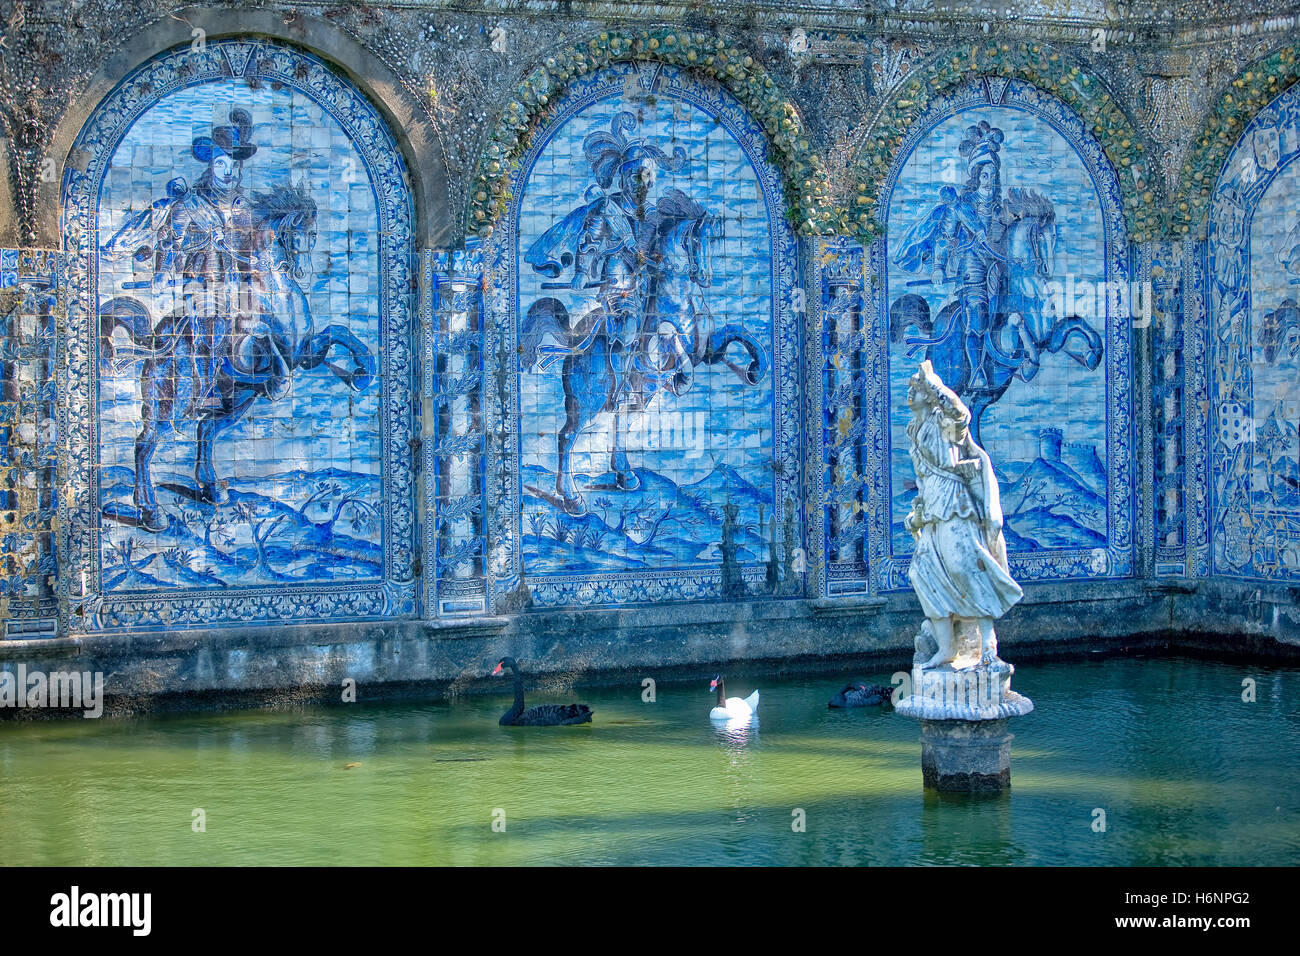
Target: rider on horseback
611, 254
963, 234
208, 236
608, 241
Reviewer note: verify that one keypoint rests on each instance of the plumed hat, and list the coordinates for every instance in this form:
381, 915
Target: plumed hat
234, 140
980, 145
612, 153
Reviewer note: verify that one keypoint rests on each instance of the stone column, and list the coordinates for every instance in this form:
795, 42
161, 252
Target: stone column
965, 745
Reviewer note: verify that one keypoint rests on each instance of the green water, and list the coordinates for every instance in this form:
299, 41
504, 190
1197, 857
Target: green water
1186, 772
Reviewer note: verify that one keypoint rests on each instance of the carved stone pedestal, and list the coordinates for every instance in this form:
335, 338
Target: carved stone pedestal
965, 746
967, 756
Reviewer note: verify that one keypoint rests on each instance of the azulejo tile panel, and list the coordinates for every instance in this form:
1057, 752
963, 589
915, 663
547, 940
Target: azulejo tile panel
239, 399
1006, 265
1170, 272
455, 540
30, 307
849, 365
646, 352
613, 386
1249, 447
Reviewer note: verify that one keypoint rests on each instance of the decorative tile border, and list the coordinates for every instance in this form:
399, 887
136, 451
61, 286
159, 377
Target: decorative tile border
843, 376
1117, 559
1196, 359
507, 588
455, 541
31, 307
257, 60
1168, 266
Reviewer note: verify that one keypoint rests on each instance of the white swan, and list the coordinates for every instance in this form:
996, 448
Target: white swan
731, 708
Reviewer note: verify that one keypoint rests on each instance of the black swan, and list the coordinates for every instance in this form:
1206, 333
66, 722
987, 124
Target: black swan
862, 695
543, 715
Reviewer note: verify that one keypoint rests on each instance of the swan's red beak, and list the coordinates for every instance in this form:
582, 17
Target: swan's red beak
496, 670
713, 685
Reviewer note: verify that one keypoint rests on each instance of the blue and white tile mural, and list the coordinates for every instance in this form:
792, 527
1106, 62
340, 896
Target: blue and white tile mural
1005, 265
648, 280
242, 239
850, 363
1170, 269
614, 380
454, 545
1249, 448
30, 295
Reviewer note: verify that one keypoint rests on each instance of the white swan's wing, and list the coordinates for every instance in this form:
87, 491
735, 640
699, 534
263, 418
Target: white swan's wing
752, 701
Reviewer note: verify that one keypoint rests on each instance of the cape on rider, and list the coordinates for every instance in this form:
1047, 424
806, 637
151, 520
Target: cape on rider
608, 244
208, 235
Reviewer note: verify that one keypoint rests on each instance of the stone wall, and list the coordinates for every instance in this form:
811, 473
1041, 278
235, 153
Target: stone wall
584, 331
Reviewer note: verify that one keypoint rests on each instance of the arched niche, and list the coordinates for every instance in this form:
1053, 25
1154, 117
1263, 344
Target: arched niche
996, 62
1243, 447
692, 282
401, 109
1029, 321
239, 375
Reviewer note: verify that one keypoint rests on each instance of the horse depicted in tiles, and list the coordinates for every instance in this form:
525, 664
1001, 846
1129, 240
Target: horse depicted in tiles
1023, 326
252, 351
1279, 332
606, 369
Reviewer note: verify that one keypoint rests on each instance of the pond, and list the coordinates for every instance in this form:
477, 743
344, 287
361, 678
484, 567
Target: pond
1186, 772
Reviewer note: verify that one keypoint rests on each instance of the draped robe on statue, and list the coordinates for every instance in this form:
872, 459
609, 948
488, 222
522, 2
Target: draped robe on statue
960, 565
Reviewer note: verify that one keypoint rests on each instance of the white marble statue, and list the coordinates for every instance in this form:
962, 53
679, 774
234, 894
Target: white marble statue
959, 570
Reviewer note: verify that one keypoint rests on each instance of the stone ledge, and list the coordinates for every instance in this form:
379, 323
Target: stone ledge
675, 614
1174, 586
834, 607
258, 637
453, 628
40, 647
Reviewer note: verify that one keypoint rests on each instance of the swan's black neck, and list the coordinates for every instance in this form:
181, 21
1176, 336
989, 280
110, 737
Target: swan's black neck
722, 692
518, 707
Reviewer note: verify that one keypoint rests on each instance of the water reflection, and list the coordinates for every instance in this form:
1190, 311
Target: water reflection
967, 828
1184, 780
742, 776
735, 732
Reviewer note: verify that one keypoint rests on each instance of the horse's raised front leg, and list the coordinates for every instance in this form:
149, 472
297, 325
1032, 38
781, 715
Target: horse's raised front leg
205, 475
569, 497
317, 350
722, 339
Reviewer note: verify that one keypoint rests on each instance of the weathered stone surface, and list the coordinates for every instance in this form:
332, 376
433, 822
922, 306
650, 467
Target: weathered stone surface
962, 756
1135, 513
